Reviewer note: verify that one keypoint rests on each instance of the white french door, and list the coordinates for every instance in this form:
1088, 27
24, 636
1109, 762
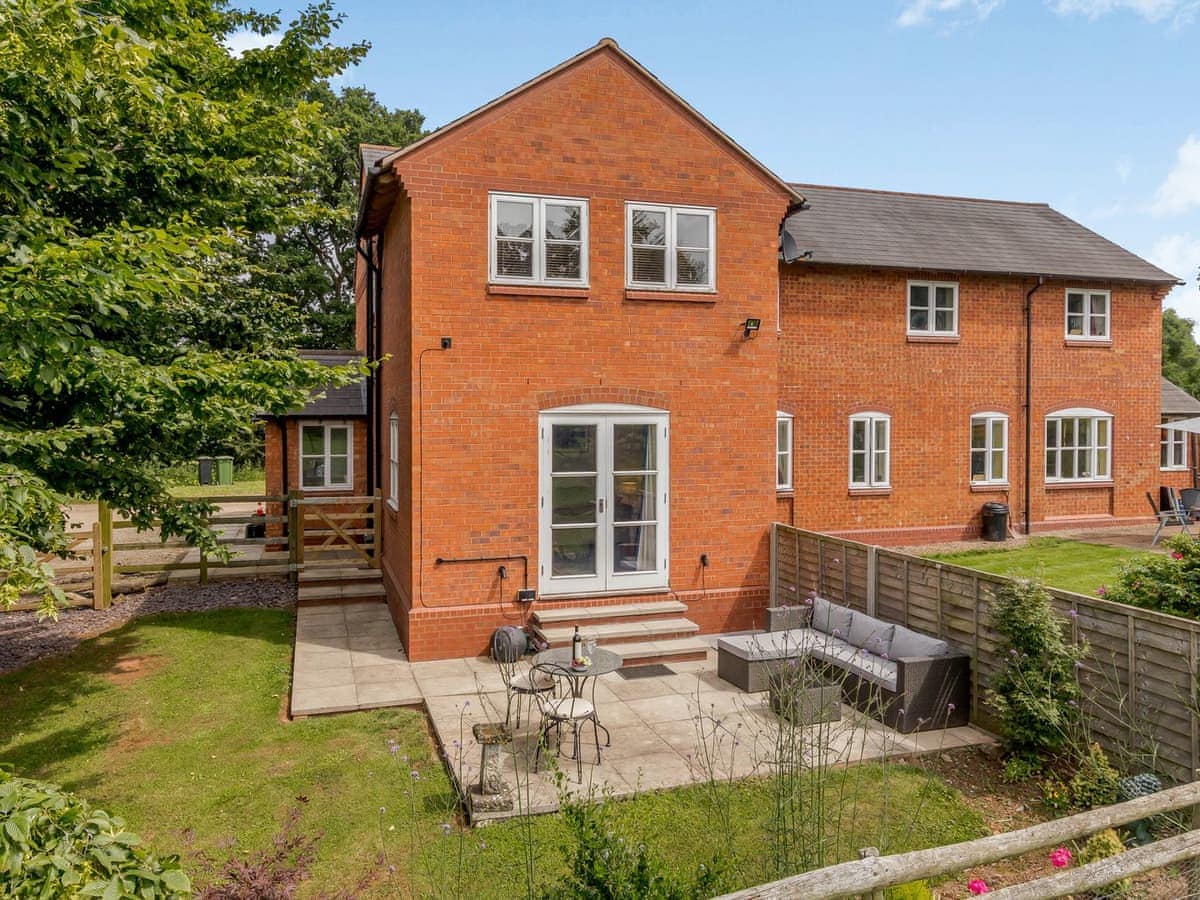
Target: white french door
603, 500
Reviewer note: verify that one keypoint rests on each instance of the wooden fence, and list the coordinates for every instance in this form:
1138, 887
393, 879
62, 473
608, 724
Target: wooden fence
293, 532
1139, 679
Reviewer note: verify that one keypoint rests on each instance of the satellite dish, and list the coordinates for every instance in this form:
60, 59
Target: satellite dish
788, 247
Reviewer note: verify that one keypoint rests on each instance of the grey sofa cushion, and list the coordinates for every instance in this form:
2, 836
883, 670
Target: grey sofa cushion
907, 644
871, 634
770, 645
831, 618
874, 669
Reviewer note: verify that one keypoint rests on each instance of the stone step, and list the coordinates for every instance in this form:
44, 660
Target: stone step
641, 653
626, 630
327, 574
337, 591
615, 612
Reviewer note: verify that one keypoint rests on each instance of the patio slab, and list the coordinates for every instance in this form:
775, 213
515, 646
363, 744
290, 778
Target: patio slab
666, 731
349, 657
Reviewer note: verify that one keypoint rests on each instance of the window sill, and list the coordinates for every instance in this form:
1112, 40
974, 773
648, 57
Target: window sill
933, 338
1174, 468
332, 489
671, 296
870, 491
1077, 485
785, 493
539, 290
542, 595
1086, 342
983, 487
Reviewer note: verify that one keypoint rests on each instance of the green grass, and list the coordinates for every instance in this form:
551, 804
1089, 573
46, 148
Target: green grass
1068, 565
173, 723
251, 488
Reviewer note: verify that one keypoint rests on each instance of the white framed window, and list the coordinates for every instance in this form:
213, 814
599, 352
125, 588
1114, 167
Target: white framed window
1079, 446
670, 247
1088, 315
604, 485
989, 448
1174, 447
394, 460
783, 451
326, 455
870, 450
933, 308
537, 240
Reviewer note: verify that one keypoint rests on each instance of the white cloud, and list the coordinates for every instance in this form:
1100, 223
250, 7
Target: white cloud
1180, 191
950, 12
1179, 254
1179, 12
238, 42
1124, 169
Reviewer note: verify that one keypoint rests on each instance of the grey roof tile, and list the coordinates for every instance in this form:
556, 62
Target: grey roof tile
882, 229
1178, 402
338, 402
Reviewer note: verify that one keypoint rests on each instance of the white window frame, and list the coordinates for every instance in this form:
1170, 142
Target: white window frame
1099, 467
871, 452
783, 451
989, 448
538, 276
669, 270
932, 330
327, 425
1174, 443
605, 580
1088, 315
394, 461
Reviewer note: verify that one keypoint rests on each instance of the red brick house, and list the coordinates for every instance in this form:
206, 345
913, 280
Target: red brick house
615, 348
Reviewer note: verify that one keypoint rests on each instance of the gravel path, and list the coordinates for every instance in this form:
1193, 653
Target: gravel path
23, 639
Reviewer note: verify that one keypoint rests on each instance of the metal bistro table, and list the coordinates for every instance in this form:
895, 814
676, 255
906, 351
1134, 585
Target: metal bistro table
603, 662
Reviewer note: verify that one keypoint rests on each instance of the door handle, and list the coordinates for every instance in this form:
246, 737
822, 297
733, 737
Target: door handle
600, 505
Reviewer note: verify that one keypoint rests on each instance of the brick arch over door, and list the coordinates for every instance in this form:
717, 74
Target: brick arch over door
603, 394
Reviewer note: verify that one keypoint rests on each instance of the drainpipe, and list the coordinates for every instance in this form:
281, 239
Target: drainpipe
1029, 389
369, 253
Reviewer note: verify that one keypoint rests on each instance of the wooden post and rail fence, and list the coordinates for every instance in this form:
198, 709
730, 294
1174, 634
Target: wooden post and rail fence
294, 531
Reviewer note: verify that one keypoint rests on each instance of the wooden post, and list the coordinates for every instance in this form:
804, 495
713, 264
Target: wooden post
1193, 706
97, 566
773, 573
203, 567
103, 597
872, 853
295, 534
1193, 869
1131, 649
872, 580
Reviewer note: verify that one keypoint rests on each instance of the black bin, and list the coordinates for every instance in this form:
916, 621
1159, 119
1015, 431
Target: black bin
205, 466
995, 521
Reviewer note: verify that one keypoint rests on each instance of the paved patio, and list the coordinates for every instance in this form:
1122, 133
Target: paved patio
348, 657
667, 731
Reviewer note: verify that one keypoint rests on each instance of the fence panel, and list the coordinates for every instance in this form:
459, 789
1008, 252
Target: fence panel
1139, 677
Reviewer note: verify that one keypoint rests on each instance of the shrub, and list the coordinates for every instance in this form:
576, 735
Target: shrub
1100, 846
274, 873
1056, 797
53, 844
913, 890
1036, 693
1168, 583
1095, 782
1020, 767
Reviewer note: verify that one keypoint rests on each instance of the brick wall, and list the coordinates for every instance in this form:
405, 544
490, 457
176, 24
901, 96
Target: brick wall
276, 483
597, 130
844, 349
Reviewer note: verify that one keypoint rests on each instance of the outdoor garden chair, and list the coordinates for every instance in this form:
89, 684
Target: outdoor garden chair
522, 681
1172, 514
564, 709
1191, 501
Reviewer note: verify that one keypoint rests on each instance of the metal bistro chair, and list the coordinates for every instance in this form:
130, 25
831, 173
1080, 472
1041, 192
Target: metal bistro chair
521, 681
1172, 514
565, 709
1191, 501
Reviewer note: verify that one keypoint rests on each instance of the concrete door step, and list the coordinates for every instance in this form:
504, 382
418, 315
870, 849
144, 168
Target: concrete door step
357, 592
627, 630
641, 653
581, 614
325, 575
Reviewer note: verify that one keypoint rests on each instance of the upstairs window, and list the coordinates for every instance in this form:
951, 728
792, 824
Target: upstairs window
870, 450
325, 458
1087, 315
1174, 447
1078, 446
538, 240
394, 460
932, 308
670, 247
989, 448
783, 452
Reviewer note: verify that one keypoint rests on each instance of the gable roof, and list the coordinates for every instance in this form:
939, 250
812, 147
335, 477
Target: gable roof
368, 218
1178, 402
884, 229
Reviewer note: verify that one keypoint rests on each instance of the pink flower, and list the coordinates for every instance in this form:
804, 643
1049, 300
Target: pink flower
1175, 554
1102, 590
979, 886
1060, 857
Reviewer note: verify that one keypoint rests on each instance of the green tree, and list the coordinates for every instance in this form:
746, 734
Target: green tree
138, 158
311, 258
1180, 354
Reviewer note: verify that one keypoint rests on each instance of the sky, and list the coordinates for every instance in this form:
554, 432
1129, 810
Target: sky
1088, 105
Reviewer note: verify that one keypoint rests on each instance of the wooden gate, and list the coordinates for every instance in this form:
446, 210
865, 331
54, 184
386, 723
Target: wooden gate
328, 530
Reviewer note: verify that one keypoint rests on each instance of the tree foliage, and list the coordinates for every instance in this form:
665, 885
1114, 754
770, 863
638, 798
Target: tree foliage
138, 158
311, 259
1180, 353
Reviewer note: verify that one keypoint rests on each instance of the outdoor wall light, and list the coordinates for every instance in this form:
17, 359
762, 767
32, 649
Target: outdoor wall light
749, 327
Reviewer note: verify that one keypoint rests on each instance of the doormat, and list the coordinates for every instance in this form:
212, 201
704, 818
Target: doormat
654, 670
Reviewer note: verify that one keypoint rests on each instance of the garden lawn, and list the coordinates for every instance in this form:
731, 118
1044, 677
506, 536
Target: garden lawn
174, 723
1067, 565
251, 488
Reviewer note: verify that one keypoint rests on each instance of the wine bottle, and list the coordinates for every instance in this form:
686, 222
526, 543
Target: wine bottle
577, 649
